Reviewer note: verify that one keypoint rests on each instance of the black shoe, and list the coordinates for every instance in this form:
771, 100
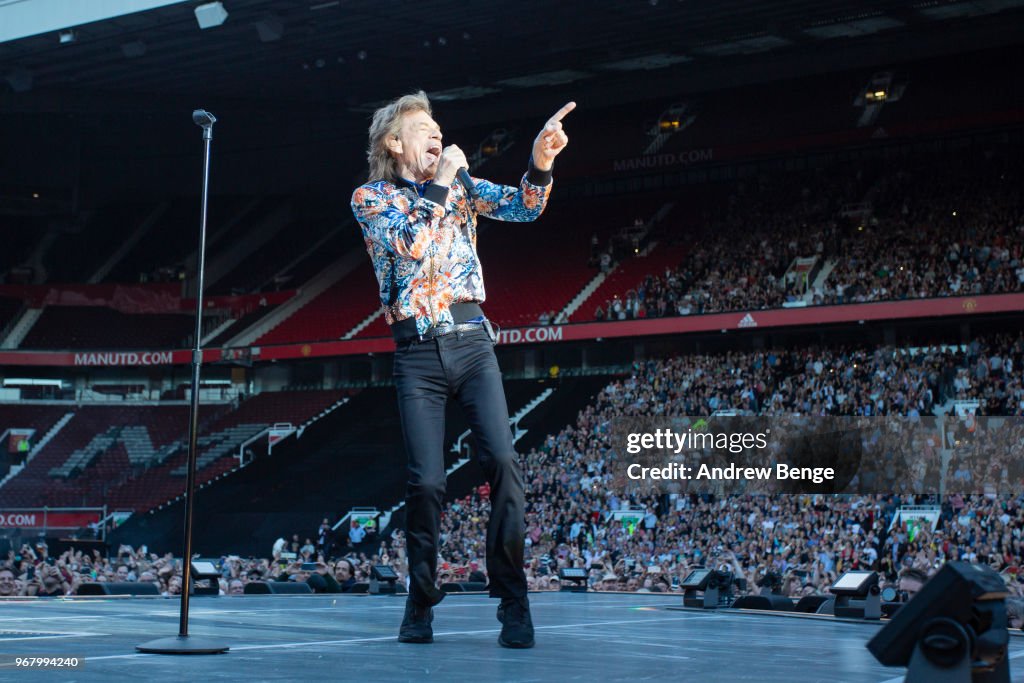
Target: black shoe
416, 624
516, 623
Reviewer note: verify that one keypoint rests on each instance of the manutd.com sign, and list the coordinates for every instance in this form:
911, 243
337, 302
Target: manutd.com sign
713, 322
531, 335
125, 358
19, 519
684, 158
64, 518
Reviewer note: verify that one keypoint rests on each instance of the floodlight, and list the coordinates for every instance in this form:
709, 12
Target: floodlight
575, 577
205, 570
382, 579
953, 629
715, 584
211, 14
857, 595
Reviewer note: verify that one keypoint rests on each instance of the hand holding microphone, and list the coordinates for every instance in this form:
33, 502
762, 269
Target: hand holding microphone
452, 165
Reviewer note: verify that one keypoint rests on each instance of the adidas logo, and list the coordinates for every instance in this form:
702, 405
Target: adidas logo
747, 321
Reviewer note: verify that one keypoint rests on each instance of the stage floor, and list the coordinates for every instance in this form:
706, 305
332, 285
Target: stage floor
596, 636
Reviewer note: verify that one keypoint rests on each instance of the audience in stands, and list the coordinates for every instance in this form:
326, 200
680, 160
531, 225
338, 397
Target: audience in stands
806, 540
908, 233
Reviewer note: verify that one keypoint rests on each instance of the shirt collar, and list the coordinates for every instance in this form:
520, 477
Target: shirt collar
419, 187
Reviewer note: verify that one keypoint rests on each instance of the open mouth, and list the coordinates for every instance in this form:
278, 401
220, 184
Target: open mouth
434, 153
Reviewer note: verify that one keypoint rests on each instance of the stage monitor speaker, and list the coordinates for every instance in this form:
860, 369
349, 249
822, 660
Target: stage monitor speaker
277, 588
827, 607
809, 604
463, 587
118, 588
752, 602
774, 602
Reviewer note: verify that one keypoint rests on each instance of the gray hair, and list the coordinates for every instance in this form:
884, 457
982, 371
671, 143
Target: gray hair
387, 123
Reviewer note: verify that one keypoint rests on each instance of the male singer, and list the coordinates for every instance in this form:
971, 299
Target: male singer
420, 229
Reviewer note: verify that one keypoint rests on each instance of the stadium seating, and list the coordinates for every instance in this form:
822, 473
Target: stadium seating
219, 443
535, 268
50, 480
77, 254
629, 274
9, 308
128, 455
95, 327
333, 313
21, 234
256, 272
174, 236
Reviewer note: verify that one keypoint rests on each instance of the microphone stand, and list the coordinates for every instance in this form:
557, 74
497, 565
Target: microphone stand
183, 643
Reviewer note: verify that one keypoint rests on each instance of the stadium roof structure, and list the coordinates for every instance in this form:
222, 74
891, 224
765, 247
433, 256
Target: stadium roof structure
354, 53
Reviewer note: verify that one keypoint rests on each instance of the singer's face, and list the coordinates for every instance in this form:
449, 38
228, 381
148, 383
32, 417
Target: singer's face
417, 148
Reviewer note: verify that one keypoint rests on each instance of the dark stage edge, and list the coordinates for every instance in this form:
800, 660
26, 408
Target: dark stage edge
585, 637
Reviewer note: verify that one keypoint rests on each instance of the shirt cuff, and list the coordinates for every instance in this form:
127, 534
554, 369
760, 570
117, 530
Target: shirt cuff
535, 176
436, 193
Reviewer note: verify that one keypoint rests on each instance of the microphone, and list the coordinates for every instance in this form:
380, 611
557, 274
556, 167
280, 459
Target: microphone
463, 175
203, 118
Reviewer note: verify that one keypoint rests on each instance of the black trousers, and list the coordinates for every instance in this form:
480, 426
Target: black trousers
461, 366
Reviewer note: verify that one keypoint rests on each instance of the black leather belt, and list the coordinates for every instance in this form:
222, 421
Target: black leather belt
442, 330
405, 330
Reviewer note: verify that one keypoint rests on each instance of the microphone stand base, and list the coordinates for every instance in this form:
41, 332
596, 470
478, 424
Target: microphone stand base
183, 645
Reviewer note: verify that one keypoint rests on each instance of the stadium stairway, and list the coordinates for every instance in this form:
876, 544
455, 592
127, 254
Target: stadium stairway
256, 236
819, 280
310, 291
130, 243
21, 328
584, 294
627, 275
571, 395
370, 319
461, 445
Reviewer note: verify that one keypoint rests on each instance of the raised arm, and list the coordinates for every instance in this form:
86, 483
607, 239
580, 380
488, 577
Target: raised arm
526, 202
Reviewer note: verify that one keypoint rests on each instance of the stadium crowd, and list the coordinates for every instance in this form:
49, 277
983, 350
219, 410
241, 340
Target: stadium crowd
649, 540
907, 233
814, 538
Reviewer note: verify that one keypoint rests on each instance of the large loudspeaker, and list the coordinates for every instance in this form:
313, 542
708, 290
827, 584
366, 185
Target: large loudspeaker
775, 602
277, 588
955, 628
118, 588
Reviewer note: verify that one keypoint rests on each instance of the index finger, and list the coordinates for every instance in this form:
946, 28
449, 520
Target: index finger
561, 113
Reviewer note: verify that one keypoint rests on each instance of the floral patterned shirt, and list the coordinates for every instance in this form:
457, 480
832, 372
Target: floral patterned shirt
424, 236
